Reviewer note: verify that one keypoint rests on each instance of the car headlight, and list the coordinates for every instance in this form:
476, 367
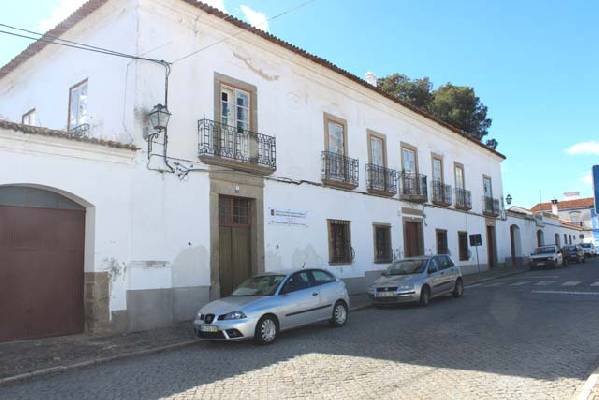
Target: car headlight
200, 316
233, 315
405, 286
371, 289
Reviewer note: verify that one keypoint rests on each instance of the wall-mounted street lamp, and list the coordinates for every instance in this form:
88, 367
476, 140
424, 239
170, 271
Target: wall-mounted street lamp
159, 117
508, 199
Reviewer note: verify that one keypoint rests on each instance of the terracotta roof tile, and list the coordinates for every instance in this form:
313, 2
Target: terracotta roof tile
34, 130
566, 204
92, 5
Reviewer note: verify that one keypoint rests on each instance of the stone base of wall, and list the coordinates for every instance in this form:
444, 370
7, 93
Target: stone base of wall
98, 319
154, 308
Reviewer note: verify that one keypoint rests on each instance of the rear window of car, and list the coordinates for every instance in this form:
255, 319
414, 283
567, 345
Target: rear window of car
321, 276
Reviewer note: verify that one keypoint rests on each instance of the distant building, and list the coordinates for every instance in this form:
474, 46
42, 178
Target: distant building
575, 210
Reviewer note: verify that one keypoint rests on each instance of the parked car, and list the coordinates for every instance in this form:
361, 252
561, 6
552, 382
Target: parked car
269, 303
573, 252
417, 279
546, 256
589, 249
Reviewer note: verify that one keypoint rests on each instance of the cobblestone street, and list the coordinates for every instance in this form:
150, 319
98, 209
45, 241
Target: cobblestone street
528, 336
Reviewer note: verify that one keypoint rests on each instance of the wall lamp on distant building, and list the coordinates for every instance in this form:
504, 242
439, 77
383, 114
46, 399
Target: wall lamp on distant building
159, 117
508, 199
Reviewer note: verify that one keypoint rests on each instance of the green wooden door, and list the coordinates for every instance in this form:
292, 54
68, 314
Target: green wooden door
234, 243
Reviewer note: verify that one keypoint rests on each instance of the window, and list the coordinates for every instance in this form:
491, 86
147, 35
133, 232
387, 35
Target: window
437, 169
78, 105
322, 277
442, 242
557, 239
487, 186
444, 262
433, 265
382, 244
460, 182
340, 251
463, 245
235, 108
30, 118
376, 146
234, 211
298, 281
408, 160
335, 135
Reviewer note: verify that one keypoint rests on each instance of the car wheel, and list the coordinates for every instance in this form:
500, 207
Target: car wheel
458, 289
267, 330
339, 317
425, 296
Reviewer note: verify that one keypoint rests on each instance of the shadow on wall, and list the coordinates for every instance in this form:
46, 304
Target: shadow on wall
191, 282
306, 257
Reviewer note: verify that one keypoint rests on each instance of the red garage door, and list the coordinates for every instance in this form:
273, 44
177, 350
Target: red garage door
41, 266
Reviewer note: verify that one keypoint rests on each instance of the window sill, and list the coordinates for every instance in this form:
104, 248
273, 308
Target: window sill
340, 264
383, 261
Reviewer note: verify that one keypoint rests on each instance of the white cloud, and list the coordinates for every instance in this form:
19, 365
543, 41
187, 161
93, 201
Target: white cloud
220, 4
63, 9
255, 18
585, 148
587, 179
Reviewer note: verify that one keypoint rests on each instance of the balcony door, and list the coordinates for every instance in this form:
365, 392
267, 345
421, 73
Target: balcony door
408, 159
437, 170
487, 187
377, 152
460, 183
235, 120
336, 138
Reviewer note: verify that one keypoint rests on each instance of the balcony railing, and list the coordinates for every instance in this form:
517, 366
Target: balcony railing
79, 131
339, 170
463, 199
233, 147
490, 206
412, 187
441, 194
381, 180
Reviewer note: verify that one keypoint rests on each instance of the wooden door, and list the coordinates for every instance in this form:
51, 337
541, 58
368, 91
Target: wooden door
41, 272
491, 249
235, 248
413, 243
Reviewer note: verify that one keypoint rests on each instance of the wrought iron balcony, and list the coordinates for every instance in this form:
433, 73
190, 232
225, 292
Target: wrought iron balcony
79, 131
490, 206
463, 199
236, 148
339, 170
381, 180
441, 194
412, 187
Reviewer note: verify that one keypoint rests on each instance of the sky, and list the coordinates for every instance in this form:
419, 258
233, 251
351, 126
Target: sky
533, 63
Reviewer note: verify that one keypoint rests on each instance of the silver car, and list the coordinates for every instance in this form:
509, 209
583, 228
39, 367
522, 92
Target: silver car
417, 279
269, 303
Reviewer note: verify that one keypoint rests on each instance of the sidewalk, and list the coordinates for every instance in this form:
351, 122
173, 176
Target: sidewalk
494, 273
29, 358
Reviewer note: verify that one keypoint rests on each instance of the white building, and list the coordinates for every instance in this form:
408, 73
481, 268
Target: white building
575, 210
341, 176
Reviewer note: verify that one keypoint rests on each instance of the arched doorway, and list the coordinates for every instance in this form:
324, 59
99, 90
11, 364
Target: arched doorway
42, 245
516, 244
540, 238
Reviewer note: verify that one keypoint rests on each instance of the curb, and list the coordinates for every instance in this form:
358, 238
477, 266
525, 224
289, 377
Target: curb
585, 391
96, 361
496, 277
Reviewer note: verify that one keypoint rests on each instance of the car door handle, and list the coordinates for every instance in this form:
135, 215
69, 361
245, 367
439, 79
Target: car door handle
315, 294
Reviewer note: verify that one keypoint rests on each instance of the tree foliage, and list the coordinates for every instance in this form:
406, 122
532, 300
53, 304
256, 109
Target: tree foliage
456, 105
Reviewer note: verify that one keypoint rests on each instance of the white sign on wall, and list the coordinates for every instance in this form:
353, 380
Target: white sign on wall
287, 216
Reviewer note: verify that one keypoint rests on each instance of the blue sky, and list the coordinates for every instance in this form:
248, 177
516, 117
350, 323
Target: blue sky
533, 63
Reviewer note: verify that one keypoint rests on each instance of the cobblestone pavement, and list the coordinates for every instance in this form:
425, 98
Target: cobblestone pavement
503, 339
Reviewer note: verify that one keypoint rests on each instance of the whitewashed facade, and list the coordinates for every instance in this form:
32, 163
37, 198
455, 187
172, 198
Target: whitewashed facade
155, 235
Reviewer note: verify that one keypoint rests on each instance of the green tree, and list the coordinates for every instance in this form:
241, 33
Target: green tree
416, 92
459, 106
456, 105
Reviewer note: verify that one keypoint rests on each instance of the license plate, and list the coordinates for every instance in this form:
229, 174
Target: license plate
209, 328
540, 263
385, 294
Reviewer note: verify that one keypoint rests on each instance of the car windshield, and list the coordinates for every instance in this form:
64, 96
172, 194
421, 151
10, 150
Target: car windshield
570, 248
545, 249
263, 285
406, 267
586, 245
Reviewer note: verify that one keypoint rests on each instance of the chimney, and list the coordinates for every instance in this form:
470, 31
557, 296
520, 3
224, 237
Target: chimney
554, 209
371, 79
